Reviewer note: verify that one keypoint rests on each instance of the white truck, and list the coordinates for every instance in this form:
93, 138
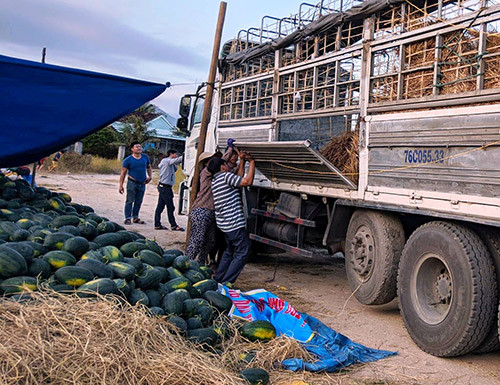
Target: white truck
418, 81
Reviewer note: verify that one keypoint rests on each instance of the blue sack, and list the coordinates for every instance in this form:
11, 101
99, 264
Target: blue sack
333, 350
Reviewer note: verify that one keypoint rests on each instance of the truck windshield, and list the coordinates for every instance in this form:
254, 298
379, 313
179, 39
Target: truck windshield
198, 111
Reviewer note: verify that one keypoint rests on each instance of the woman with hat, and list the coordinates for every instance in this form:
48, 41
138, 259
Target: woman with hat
202, 215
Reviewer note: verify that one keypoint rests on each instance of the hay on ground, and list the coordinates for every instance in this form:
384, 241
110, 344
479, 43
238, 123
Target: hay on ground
57, 339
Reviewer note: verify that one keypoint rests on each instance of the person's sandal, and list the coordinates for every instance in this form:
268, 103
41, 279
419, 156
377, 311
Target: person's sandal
161, 228
127, 222
138, 220
177, 228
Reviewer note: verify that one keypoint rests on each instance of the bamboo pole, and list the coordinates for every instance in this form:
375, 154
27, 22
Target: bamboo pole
205, 119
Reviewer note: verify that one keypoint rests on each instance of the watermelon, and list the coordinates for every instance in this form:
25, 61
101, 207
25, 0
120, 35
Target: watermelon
173, 303
64, 220
203, 336
55, 241
219, 301
39, 268
181, 263
76, 246
255, 376
138, 296
111, 254
97, 268
93, 254
153, 246
59, 258
177, 283
106, 227
101, 286
150, 257
194, 323
130, 248
25, 223
87, 230
11, 263
123, 270
258, 331
156, 311
155, 298
69, 229
19, 235
134, 262
18, 284
123, 286
168, 259
205, 285
148, 278
178, 322
110, 239
74, 275
174, 273
194, 275
22, 248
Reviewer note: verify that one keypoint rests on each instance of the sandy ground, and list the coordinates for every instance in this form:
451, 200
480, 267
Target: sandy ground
318, 287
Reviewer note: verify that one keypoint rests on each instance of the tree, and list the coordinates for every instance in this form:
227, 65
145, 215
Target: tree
136, 130
103, 143
147, 112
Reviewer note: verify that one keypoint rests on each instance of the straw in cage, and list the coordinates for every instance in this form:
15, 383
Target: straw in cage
343, 153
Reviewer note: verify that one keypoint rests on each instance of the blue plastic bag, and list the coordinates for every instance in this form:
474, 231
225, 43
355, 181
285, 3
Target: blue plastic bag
333, 350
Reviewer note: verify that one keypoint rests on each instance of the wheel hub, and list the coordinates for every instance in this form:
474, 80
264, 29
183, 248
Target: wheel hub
363, 251
443, 288
432, 288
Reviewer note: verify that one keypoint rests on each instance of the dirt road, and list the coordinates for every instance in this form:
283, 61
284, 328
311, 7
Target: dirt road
318, 287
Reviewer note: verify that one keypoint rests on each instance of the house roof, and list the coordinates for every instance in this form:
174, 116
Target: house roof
164, 128
164, 125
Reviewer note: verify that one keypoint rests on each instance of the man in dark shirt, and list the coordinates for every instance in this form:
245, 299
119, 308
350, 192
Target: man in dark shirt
136, 165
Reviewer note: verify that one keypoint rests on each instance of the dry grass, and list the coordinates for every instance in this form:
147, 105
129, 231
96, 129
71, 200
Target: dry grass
57, 339
86, 164
343, 153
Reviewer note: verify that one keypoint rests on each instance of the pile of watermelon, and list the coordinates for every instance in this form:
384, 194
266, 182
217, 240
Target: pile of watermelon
46, 240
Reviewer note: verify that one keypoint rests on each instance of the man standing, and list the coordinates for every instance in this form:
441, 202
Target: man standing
136, 165
168, 167
229, 215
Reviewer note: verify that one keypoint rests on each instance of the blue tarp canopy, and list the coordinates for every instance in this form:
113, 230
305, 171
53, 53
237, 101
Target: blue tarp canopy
44, 108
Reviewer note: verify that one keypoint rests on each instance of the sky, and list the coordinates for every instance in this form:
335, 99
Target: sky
154, 40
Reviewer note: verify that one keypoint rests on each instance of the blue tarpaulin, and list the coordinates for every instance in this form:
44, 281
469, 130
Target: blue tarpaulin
44, 108
333, 350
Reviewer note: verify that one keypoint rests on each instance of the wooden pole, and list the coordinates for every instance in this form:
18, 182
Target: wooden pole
207, 108
33, 172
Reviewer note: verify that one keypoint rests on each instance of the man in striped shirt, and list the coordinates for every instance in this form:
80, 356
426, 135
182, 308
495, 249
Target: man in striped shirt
229, 215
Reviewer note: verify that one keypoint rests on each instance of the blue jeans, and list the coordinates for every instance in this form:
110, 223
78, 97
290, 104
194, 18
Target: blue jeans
135, 194
234, 258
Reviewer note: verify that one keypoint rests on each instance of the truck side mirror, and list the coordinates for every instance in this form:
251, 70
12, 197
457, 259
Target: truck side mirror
185, 106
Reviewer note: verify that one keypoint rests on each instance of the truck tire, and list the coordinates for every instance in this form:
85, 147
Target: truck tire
374, 243
446, 289
491, 238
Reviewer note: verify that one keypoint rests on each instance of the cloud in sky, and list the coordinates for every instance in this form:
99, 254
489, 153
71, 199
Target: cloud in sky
152, 40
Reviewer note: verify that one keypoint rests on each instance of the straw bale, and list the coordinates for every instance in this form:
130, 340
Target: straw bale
57, 339
343, 153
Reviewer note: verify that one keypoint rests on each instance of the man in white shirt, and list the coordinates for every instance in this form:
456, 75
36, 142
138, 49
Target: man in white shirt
168, 167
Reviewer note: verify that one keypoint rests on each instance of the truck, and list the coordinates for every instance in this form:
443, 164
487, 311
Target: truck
408, 92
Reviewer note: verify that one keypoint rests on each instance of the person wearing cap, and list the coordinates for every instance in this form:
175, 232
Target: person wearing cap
168, 167
202, 215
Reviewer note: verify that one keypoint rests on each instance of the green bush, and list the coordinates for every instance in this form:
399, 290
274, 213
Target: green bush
103, 143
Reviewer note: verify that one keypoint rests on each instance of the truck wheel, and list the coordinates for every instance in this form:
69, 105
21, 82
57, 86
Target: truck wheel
374, 243
446, 289
491, 239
